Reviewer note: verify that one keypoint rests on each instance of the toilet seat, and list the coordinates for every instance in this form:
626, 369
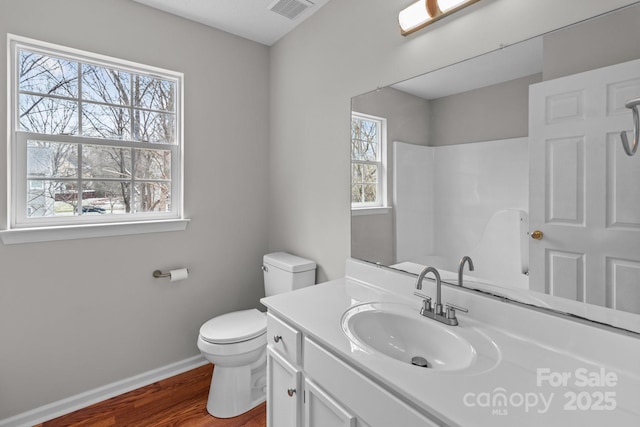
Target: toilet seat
234, 327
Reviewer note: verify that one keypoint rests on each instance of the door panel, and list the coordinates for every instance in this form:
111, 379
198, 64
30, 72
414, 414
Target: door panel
624, 279
564, 196
584, 190
566, 274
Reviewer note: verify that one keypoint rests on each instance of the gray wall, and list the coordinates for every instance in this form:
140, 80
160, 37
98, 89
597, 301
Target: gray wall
583, 41
79, 314
348, 48
373, 237
490, 113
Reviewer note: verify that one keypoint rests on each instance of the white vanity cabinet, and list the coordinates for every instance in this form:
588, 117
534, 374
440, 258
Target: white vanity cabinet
292, 399
307, 386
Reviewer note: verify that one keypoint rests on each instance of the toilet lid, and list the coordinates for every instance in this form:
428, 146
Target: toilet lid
234, 327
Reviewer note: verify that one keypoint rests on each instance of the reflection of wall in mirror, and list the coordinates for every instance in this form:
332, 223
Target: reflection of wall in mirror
597, 43
407, 120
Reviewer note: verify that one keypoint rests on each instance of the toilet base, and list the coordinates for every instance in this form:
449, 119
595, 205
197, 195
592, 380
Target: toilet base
236, 390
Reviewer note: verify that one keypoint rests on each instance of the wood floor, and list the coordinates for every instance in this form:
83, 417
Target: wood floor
176, 401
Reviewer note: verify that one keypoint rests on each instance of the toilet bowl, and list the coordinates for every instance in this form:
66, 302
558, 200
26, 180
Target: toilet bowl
236, 343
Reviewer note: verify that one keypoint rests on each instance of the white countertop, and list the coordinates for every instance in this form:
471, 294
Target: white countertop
528, 342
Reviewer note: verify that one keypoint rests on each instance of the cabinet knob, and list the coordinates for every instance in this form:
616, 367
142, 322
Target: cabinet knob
277, 338
291, 392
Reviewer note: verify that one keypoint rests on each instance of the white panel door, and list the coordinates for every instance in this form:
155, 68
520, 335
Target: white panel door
283, 392
584, 190
320, 410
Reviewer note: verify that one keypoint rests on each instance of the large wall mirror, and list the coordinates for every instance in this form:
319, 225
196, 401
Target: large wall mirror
512, 158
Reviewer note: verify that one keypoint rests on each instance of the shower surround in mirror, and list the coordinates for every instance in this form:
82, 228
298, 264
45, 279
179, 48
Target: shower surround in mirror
470, 124
473, 201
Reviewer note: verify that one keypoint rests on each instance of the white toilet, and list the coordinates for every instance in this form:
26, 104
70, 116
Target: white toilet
236, 343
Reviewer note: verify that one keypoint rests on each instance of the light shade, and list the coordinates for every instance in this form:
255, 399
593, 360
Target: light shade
413, 16
447, 5
424, 12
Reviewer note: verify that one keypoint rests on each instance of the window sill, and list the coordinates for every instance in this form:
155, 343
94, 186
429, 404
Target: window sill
371, 211
49, 234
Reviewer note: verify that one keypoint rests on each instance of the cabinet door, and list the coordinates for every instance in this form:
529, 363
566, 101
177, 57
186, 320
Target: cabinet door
283, 392
320, 410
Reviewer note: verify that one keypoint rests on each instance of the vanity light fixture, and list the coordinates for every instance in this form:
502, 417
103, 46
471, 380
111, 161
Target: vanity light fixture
425, 12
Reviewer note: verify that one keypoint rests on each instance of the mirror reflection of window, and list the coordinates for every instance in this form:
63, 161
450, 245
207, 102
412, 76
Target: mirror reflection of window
368, 140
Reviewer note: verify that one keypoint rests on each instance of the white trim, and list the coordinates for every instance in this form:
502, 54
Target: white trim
92, 58
89, 397
86, 231
11, 102
378, 210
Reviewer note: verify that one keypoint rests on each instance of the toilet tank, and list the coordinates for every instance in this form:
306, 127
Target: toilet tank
284, 272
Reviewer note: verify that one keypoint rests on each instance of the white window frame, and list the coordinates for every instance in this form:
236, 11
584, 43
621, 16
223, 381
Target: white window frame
380, 205
19, 228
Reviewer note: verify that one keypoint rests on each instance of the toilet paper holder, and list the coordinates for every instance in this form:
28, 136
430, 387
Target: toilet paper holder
157, 274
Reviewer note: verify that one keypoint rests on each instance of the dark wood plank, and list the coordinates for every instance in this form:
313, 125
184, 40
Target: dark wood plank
177, 401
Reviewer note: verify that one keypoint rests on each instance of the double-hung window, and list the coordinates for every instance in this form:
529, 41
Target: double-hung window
368, 140
93, 139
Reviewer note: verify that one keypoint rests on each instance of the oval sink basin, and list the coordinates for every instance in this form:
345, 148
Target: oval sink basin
401, 333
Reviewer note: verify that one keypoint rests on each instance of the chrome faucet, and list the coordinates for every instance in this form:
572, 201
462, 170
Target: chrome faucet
435, 312
437, 309
464, 260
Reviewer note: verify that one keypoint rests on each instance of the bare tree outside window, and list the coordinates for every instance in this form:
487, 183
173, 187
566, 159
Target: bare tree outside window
63, 97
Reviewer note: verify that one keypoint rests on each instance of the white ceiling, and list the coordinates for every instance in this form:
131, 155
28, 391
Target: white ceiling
514, 61
251, 19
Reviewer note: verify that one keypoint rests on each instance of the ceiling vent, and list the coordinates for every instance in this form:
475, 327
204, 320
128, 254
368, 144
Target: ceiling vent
290, 8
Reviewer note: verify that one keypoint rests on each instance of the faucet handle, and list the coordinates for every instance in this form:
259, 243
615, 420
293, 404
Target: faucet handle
426, 306
451, 310
426, 303
423, 296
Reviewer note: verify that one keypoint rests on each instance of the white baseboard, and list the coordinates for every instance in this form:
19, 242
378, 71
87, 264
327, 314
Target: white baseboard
82, 400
